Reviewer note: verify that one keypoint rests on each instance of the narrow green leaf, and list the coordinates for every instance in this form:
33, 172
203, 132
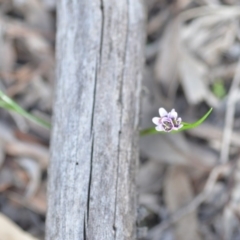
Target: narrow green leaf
9, 104
5, 106
197, 123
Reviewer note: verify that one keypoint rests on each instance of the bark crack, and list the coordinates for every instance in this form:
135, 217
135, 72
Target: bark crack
102, 28
94, 95
90, 179
121, 112
84, 228
98, 64
92, 136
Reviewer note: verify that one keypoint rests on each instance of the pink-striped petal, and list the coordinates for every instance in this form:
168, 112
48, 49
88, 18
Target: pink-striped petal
162, 112
156, 120
173, 114
180, 126
159, 128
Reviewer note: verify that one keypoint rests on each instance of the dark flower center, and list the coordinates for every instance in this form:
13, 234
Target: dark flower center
167, 124
175, 123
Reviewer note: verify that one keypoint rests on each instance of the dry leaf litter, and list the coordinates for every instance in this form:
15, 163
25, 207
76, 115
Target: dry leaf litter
188, 183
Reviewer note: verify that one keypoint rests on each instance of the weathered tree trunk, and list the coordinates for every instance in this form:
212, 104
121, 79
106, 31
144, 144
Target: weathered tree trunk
94, 152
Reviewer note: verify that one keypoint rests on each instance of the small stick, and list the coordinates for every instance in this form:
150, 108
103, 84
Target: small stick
229, 117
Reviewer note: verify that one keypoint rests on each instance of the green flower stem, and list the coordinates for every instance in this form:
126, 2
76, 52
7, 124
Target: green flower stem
186, 126
9, 104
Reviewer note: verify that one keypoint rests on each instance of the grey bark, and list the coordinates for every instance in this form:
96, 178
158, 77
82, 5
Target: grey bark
94, 152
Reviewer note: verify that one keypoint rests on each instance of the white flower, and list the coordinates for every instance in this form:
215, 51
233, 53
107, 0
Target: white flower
167, 121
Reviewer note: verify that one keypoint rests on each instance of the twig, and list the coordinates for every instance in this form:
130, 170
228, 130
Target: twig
233, 96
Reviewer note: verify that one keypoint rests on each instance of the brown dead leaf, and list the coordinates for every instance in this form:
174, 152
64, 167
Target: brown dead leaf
181, 4
178, 193
35, 14
211, 132
26, 149
10, 231
192, 74
33, 171
17, 148
231, 217
166, 63
157, 21
49, 4
6, 178
7, 54
38, 202
175, 149
150, 201
165, 148
150, 176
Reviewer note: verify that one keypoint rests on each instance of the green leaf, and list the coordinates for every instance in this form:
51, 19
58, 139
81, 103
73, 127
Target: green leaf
219, 89
197, 123
9, 104
186, 126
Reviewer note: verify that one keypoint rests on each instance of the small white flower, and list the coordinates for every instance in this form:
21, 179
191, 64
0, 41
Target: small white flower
167, 121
